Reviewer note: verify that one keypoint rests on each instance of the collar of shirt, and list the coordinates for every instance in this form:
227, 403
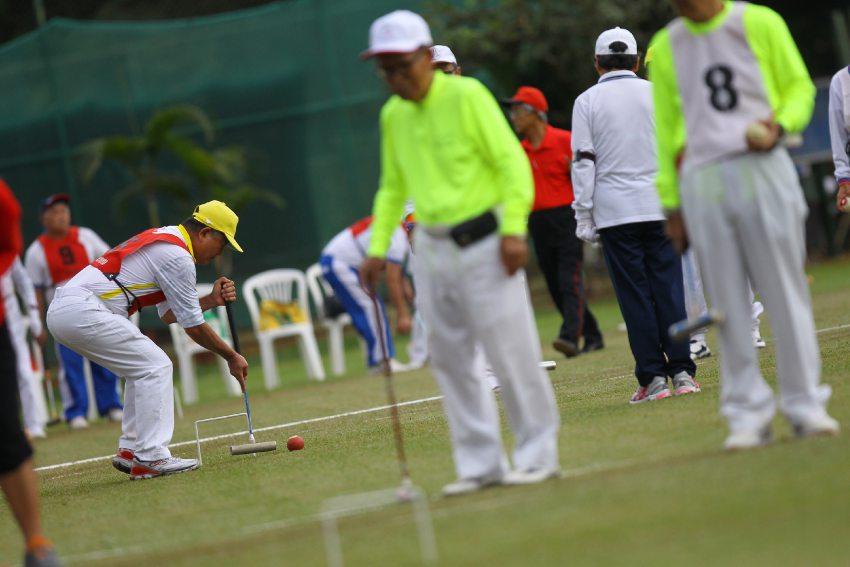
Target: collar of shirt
614, 75
547, 141
185, 234
698, 28
437, 84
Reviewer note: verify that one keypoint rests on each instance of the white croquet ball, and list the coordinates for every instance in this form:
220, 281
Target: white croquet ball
758, 133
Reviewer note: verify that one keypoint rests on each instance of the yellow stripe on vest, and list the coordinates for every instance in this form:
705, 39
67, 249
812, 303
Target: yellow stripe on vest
134, 287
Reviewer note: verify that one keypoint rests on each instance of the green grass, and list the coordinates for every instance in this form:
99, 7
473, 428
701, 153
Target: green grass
645, 484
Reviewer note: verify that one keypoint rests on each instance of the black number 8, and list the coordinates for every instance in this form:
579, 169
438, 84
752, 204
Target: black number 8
67, 255
719, 80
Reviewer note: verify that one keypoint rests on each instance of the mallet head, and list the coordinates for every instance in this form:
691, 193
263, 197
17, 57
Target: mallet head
250, 448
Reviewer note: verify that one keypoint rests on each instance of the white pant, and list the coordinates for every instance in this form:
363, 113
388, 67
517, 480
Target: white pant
695, 304
467, 298
33, 406
417, 348
746, 220
80, 321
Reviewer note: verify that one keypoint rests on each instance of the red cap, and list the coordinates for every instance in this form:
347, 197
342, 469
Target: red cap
531, 96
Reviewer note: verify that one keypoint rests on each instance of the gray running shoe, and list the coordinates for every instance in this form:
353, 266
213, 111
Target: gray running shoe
684, 383
657, 390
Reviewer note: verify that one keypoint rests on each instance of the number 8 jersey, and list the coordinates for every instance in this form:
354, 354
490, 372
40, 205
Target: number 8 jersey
712, 79
51, 262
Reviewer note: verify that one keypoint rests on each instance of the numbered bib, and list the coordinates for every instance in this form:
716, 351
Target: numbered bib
721, 88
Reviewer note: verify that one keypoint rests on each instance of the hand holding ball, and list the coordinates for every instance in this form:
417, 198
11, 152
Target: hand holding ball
295, 443
761, 137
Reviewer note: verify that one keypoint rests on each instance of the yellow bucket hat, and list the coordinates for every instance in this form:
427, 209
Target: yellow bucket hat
218, 216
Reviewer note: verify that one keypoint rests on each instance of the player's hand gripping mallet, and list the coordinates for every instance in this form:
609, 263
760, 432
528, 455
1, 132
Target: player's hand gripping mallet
251, 447
405, 491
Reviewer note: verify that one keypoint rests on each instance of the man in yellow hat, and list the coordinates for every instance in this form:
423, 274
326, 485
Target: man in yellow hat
89, 314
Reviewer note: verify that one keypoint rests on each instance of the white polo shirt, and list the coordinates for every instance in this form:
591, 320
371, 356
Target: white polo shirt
614, 159
160, 266
839, 123
36, 261
350, 245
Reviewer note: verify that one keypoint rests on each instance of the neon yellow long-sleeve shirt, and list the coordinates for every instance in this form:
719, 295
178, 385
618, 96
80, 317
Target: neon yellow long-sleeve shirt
455, 155
786, 81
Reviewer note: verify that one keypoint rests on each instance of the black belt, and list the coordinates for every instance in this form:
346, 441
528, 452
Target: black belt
475, 229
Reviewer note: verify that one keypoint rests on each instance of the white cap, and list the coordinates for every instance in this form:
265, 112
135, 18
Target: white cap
608, 37
442, 54
401, 31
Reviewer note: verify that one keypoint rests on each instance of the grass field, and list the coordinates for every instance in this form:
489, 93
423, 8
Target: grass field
644, 485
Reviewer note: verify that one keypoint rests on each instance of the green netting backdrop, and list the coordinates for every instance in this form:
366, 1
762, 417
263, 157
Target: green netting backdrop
283, 80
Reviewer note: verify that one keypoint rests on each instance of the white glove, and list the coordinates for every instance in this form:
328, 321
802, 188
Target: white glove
586, 230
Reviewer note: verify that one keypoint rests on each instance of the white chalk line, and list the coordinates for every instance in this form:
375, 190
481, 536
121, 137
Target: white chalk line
320, 419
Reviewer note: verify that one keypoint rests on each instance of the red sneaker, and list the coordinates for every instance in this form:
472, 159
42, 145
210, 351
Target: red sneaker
123, 460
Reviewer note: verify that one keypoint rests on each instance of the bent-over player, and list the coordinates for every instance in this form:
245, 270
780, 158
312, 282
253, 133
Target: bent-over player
157, 267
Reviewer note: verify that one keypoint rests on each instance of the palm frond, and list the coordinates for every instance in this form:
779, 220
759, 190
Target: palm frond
163, 122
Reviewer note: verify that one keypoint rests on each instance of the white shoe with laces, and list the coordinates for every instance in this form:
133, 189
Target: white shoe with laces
758, 341
745, 439
468, 485
821, 426
699, 349
531, 476
78, 423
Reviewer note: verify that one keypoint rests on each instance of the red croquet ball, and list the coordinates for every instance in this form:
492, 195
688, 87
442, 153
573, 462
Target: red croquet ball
295, 443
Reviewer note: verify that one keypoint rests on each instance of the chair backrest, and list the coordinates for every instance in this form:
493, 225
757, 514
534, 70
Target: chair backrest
283, 286
319, 289
181, 340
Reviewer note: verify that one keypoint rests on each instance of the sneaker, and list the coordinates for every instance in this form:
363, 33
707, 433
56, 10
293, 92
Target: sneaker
78, 422
699, 349
822, 426
116, 415
161, 467
757, 340
745, 439
594, 345
395, 367
657, 390
467, 486
684, 383
41, 554
566, 347
123, 460
531, 476
39, 433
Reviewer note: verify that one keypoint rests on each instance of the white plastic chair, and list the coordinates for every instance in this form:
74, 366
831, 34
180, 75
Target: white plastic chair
320, 289
283, 286
186, 349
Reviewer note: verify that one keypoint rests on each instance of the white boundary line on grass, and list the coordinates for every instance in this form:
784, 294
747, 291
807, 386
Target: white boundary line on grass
312, 420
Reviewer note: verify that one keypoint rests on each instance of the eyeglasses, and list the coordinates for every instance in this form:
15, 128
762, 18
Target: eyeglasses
447, 68
402, 66
521, 108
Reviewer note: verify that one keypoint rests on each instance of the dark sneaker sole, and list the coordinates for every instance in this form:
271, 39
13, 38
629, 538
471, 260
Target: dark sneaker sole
566, 348
122, 465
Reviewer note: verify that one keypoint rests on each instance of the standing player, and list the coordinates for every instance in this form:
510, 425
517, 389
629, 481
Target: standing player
340, 262
446, 145
53, 259
552, 222
157, 267
15, 282
613, 175
728, 83
839, 134
17, 477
